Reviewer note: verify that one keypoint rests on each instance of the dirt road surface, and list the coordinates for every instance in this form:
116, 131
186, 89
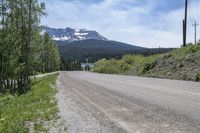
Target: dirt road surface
43, 75
99, 103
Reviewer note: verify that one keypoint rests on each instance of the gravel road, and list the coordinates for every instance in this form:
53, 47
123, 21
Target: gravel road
99, 103
46, 74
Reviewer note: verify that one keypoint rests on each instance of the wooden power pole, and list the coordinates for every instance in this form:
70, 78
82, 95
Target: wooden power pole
185, 24
195, 32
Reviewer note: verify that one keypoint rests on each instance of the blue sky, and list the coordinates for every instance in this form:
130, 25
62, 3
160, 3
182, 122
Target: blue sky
148, 23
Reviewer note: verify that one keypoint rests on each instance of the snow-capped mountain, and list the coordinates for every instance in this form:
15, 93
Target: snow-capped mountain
72, 35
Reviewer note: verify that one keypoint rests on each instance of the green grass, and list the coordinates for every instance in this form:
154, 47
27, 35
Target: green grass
36, 106
182, 52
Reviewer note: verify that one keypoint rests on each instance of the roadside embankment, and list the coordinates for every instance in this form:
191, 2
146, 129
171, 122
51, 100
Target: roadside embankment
180, 64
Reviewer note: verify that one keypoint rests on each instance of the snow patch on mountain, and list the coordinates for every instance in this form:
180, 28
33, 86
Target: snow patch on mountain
43, 32
71, 35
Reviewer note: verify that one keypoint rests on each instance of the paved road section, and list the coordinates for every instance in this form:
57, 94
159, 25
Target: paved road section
96, 103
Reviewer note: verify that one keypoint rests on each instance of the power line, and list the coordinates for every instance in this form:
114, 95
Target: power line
163, 24
195, 32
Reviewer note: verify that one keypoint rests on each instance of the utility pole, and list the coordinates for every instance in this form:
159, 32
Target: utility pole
185, 24
183, 33
195, 32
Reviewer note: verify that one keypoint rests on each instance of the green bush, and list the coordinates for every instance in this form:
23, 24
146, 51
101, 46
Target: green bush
198, 42
198, 76
128, 59
193, 49
128, 62
148, 66
105, 66
182, 52
100, 66
124, 67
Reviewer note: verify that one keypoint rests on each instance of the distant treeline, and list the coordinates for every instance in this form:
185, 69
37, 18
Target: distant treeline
94, 50
93, 55
23, 51
70, 65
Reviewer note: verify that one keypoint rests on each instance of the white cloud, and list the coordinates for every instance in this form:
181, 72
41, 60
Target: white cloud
131, 22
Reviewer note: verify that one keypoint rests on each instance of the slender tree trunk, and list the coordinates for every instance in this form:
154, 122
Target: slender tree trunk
29, 39
22, 60
2, 54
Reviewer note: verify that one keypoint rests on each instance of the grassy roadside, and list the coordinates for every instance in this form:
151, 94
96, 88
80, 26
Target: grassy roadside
137, 63
36, 107
180, 64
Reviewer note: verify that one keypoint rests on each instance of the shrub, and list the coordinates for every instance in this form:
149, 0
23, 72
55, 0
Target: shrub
198, 76
128, 63
148, 66
185, 77
124, 67
128, 59
107, 66
100, 66
193, 50
198, 42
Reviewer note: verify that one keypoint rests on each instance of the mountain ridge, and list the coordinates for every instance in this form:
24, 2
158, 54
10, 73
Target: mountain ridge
71, 35
97, 49
85, 44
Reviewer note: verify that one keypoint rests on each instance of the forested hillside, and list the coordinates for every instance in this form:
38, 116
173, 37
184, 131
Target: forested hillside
94, 50
23, 51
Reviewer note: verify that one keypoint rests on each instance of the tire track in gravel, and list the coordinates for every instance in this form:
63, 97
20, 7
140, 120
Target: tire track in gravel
117, 112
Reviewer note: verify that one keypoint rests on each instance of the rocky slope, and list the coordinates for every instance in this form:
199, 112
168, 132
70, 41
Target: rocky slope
181, 64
